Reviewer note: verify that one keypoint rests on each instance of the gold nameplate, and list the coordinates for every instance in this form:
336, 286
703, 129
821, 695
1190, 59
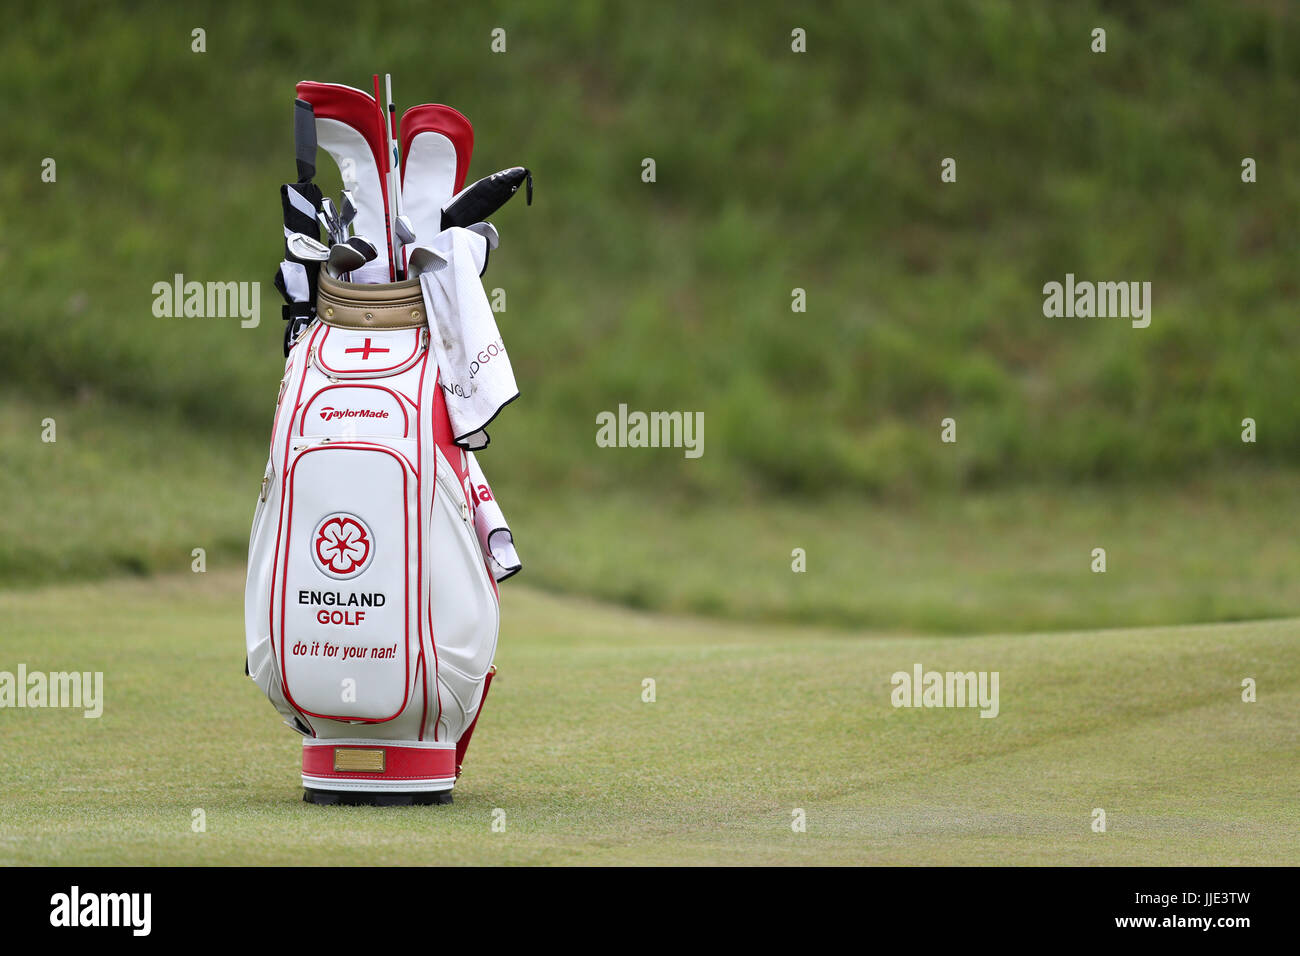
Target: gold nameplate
358, 760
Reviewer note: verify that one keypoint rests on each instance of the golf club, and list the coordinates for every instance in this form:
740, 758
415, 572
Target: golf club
332, 214
364, 246
306, 249
481, 199
347, 211
404, 231
361, 247
386, 179
343, 258
324, 221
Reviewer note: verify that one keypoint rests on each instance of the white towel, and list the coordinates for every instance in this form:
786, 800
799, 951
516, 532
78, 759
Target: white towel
476, 377
490, 526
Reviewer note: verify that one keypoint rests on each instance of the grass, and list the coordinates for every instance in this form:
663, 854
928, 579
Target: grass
1011, 560
119, 490
775, 171
750, 722
123, 491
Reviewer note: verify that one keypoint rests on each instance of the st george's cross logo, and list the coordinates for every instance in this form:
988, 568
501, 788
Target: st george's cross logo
365, 350
342, 545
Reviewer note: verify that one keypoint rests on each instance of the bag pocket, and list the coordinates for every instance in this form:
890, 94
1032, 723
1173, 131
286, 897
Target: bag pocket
368, 353
350, 411
465, 612
347, 600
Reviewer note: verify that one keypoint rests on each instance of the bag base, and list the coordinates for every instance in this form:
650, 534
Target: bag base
358, 766
347, 798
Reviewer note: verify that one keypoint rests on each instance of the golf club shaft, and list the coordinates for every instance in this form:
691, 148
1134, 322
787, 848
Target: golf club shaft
386, 178
395, 175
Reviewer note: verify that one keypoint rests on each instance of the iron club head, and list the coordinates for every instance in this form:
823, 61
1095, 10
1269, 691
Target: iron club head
306, 249
347, 211
404, 231
365, 247
343, 258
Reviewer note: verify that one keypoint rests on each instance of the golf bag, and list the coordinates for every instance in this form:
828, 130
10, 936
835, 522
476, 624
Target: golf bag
371, 605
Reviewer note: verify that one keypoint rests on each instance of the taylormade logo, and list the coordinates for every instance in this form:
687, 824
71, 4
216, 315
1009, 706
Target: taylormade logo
73, 689
334, 414
947, 689
651, 430
75, 908
1086, 300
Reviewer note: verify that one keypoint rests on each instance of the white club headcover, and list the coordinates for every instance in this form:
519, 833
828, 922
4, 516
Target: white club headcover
296, 283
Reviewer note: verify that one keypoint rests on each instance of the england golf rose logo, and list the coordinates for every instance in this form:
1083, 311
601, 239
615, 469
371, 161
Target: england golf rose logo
342, 545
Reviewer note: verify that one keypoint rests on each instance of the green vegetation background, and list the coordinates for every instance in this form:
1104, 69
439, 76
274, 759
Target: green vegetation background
775, 170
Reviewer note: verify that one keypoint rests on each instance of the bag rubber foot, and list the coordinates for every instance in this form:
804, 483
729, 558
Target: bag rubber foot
355, 798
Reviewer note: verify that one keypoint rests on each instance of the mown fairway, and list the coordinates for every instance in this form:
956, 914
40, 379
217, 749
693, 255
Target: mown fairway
749, 723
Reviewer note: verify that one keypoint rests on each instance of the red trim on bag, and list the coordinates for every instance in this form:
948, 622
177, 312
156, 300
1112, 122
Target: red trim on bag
419, 529
406, 586
279, 528
462, 745
279, 402
400, 763
440, 432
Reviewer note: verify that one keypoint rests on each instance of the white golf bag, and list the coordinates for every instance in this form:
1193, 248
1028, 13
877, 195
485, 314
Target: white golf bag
371, 607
